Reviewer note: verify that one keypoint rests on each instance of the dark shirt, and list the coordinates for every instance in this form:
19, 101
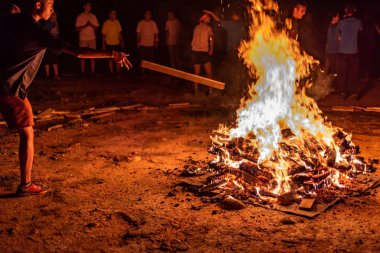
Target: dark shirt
349, 29
332, 44
236, 32
22, 46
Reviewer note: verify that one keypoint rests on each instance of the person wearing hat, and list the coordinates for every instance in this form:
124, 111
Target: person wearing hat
202, 47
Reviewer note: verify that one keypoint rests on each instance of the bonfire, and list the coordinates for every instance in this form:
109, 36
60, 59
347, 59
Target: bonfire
281, 148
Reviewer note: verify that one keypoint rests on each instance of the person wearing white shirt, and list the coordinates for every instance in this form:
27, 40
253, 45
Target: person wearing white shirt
86, 24
147, 37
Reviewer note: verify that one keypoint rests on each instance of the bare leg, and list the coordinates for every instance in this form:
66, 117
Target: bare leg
83, 65
92, 61
110, 66
26, 153
208, 69
117, 67
55, 69
197, 71
47, 70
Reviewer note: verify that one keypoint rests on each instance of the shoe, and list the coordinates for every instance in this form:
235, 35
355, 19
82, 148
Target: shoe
29, 189
342, 95
354, 96
56, 78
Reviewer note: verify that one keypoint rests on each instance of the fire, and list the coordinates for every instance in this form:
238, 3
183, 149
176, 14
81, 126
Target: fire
280, 129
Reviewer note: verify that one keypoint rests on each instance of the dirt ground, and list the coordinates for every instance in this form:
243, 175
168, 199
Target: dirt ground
110, 183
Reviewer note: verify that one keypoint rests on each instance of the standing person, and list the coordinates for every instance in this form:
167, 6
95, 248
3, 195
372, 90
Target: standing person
51, 59
293, 23
332, 45
22, 48
112, 38
202, 47
349, 28
147, 37
232, 68
173, 32
86, 24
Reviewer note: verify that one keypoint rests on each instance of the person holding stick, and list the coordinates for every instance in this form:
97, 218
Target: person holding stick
22, 48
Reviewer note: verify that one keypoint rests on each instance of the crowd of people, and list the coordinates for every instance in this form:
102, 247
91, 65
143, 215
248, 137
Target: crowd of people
348, 41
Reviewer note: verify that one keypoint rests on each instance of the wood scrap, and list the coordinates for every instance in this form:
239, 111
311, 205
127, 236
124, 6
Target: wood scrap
183, 75
103, 117
61, 112
179, 105
46, 113
73, 116
55, 127
51, 118
306, 204
372, 109
74, 121
130, 107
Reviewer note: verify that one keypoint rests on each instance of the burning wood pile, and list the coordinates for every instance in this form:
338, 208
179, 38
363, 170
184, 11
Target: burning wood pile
282, 149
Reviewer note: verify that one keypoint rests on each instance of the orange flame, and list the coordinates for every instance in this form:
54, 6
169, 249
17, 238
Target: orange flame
277, 102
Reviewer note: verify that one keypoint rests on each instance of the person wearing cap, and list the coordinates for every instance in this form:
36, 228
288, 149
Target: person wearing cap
202, 47
22, 47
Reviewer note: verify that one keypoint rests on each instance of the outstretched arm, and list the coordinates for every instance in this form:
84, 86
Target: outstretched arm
212, 14
86, 53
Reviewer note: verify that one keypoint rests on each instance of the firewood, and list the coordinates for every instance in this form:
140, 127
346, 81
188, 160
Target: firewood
51, 118
46, 113
306, 204
230, 203
101, 118
54, 127
130, 107
179, 105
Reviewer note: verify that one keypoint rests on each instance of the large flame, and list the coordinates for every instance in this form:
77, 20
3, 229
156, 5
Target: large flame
277, 102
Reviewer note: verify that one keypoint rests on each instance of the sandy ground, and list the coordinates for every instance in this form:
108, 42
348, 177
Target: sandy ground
109, 182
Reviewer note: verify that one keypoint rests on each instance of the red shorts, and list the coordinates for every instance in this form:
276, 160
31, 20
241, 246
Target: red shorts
16, 112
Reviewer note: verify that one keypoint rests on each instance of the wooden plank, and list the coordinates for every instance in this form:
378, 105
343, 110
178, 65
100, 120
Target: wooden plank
103, 117
343, 108
179, 105
51, 118
46, 113
183, 75
306, 204
54, 127
130, 107
372, 109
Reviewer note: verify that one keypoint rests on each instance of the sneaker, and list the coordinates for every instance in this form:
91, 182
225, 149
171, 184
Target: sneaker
29, 189
354, 96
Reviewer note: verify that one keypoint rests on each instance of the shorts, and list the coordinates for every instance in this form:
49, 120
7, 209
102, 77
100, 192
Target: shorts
16, 112
113, 48
88, 44
200, 57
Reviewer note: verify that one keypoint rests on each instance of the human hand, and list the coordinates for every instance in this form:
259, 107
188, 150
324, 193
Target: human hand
121, 58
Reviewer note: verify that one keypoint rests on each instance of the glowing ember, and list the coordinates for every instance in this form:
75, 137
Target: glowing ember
281, 142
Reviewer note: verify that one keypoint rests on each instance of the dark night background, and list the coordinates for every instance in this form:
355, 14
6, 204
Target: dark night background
188, 12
